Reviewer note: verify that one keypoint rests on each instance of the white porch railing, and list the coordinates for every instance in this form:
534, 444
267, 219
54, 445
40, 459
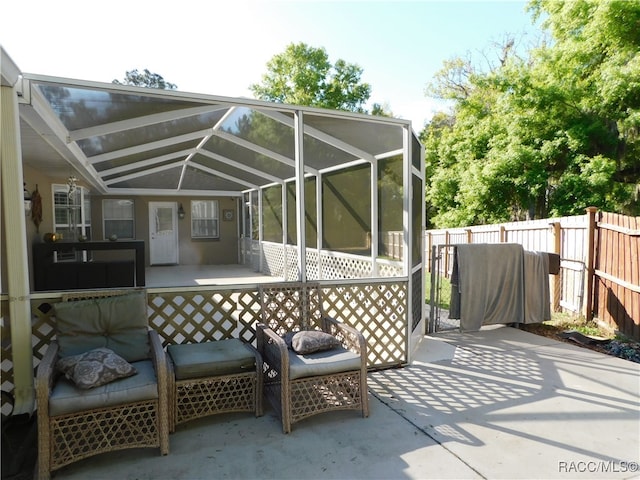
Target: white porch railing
282, 261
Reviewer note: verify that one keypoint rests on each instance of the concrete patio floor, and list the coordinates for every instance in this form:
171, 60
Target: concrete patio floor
203, 275
498, 403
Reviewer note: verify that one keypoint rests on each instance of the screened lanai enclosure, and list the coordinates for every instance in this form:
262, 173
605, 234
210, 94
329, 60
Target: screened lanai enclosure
297, 193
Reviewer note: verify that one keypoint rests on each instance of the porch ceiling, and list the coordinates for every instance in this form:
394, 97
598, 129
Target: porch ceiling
129, 140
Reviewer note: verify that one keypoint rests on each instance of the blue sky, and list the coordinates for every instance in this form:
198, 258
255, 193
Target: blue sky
221, 47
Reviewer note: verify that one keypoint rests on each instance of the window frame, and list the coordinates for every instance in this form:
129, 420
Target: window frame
83, 227
107, 234
196, 217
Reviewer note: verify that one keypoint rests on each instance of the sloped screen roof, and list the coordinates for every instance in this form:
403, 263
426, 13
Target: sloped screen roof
127, 138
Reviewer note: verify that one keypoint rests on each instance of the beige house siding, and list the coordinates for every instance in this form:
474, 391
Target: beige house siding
190, 252
33, 178
221, 251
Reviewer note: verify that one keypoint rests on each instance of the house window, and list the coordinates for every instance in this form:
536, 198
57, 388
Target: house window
117, 215
71, 217
204, 219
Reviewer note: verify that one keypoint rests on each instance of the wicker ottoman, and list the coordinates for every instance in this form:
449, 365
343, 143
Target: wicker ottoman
213, 377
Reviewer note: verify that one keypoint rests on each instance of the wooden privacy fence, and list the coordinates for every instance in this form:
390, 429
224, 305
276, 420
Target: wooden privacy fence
615, 271
599, 268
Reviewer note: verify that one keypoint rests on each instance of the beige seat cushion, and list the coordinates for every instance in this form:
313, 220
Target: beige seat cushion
322, 363
67, 398
208, 359
118, 323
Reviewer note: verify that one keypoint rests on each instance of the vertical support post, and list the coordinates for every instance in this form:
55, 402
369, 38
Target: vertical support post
469, 235
319, 223
285, 230
238, 206
254, 216
245, 218
261, 230
503, 234
406, 212
429, 245
16, 244
445, 264
298, 124
556, 281
407, 223
423, 227
434, 311
375, 234
589, 271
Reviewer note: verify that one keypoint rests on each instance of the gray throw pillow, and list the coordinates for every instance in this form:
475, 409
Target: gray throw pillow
95, 368
288, 338
311, 341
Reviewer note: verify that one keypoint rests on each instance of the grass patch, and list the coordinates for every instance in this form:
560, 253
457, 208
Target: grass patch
445, 291
617, 345
567, 321
561, 322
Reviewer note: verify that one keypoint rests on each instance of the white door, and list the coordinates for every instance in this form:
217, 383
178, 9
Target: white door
163, 233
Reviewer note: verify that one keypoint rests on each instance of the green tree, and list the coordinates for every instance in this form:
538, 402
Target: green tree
303, 75
453, 81
145, 79
548, 133
381, 110
597, 48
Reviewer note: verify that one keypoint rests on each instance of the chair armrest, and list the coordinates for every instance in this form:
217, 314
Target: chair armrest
171, 395
350, 338
258, 356
158, 357
273, 349
45, 378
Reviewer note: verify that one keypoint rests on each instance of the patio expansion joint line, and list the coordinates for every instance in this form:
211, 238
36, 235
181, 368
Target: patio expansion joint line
426, 433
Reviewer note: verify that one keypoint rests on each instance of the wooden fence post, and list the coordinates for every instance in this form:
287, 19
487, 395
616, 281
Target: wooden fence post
556, 280
469, 235
589, 271
503, 234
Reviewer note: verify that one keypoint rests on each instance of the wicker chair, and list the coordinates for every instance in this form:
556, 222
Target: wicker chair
132, 412
213, 377
299, 386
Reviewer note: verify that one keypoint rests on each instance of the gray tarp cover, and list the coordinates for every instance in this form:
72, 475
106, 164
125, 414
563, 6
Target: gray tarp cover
537, 306
499, 283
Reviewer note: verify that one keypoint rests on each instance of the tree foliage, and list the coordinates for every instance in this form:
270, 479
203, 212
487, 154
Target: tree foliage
303, 75
145, 79
544, 135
